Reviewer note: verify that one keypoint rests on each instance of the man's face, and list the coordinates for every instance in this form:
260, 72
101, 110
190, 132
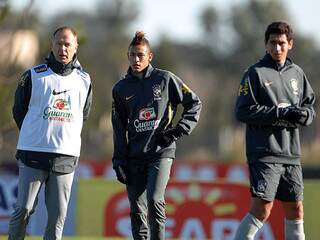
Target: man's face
139, 57
278, 47
64, 46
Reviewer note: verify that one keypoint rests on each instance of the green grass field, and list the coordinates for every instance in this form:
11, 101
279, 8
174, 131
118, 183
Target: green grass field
71, 238
68, 238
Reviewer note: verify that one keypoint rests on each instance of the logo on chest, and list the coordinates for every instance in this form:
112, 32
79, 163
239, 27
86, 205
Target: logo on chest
156, 92
268, 83
62, 104
59, 109
147, 120
294, 86
147, 114
54, 92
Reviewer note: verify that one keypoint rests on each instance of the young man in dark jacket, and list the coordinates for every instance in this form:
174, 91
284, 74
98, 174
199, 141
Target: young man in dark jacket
144, 105
275, 99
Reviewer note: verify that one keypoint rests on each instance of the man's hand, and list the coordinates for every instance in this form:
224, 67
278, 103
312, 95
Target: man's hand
166, 138
121, 172
292, 114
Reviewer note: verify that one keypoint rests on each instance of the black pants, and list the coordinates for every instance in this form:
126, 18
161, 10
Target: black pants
146, 196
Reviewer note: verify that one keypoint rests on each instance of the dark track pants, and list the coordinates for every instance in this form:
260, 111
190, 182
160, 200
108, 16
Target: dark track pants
146, 191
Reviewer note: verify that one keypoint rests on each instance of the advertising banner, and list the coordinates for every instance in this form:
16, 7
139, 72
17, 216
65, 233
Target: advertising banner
181, 170
38, 220
195, 210
8, 197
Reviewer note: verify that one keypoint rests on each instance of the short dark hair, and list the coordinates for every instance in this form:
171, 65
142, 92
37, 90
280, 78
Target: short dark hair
278, 28
59, 29
140, 39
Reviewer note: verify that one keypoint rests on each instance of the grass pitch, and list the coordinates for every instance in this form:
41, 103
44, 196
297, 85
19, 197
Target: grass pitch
68, 238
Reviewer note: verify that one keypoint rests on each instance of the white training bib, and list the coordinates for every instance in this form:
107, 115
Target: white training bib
54, 119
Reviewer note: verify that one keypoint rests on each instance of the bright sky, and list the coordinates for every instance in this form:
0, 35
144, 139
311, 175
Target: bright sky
179, 18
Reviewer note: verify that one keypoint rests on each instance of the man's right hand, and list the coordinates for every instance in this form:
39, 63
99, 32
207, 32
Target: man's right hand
121, 172
167, 137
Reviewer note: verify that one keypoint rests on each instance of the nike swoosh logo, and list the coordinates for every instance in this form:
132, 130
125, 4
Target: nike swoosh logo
267, 83
128, 98
57, 93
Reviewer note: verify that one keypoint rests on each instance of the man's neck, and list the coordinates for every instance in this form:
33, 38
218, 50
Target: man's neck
139, 75
58, 67
281, 64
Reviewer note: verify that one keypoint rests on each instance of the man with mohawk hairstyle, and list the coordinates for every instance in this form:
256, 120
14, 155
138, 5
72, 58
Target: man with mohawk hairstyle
144, 105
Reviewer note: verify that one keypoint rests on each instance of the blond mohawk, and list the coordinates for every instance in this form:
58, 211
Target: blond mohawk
140, 39
140, 35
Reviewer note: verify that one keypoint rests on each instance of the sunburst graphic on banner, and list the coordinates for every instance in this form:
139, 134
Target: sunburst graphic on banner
179, 196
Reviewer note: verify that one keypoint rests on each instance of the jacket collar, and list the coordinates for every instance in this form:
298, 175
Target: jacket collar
60, 68
147, 72
268, 59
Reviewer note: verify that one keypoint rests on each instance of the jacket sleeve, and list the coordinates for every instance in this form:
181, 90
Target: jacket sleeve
88, 104
180, 93
119, 124
308, 101
248, 109
22, 98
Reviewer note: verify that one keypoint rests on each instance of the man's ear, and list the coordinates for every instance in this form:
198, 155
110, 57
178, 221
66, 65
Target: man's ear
150, 56
77, 45
290, 43
51, 45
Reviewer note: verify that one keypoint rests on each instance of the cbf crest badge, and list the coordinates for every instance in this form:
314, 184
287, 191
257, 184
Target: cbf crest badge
294, 86
156, 92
